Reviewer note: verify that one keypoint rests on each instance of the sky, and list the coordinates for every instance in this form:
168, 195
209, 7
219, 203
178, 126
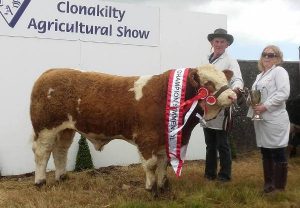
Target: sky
253, 23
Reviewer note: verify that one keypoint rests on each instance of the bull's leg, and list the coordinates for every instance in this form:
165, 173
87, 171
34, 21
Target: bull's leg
60, 151
161, 172
42, 147
150, 166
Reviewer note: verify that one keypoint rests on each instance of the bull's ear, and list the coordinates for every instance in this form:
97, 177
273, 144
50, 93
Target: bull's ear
228, 74
194, 78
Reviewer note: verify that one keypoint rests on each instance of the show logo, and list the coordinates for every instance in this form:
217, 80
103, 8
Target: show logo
12, 10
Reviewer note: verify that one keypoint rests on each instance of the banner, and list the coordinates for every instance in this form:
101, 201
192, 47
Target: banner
89, 20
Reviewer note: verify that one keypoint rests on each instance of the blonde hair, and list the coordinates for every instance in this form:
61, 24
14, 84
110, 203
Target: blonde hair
278, 53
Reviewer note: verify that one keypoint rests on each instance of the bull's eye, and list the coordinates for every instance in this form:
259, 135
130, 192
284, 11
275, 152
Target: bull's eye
210, 86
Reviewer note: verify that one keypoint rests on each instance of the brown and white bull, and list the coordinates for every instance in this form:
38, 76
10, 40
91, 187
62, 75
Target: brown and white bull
104, 107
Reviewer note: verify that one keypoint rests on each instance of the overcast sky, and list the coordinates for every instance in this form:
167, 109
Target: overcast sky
253, 23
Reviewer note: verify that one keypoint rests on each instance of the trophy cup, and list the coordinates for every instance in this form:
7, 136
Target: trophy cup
255, 97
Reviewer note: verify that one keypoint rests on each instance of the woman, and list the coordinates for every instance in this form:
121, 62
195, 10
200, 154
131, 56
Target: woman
272, 133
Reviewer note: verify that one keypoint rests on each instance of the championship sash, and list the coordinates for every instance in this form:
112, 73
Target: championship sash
174, 118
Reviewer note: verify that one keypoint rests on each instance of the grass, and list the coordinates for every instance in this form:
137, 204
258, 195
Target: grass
124, 187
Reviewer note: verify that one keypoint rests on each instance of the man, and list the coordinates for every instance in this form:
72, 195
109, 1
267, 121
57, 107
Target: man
215, 133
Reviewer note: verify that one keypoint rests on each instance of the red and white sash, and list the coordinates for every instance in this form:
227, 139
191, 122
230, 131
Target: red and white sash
174, 118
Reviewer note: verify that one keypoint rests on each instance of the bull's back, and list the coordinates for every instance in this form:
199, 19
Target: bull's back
61, 93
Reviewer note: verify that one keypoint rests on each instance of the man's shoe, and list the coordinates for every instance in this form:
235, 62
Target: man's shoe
223, 179
209, 177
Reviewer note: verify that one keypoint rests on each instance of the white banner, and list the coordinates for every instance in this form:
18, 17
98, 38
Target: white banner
89, 20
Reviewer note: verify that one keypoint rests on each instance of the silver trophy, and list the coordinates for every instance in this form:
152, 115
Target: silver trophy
255, 98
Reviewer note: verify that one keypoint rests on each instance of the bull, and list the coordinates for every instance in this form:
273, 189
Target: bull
103, 107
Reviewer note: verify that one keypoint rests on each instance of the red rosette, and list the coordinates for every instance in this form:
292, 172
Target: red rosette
202, 93
211, 100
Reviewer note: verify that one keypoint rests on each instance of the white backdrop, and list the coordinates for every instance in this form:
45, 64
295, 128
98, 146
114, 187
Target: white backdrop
182, 43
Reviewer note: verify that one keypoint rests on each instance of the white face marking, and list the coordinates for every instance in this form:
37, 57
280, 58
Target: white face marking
138, 86
49, 93
223, 99
210, 73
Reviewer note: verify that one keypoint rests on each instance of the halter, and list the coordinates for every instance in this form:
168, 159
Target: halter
222, 89
204, 94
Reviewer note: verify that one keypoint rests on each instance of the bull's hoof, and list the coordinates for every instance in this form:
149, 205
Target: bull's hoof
153, 190
63, 177
40, 183
166, 187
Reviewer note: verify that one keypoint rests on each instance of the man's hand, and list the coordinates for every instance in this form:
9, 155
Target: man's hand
237, 91
239, 94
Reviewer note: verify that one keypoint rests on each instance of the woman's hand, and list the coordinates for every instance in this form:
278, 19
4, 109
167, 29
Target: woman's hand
259, 108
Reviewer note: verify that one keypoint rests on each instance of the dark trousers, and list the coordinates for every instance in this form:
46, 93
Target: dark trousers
277, 155
275, 168
217, 142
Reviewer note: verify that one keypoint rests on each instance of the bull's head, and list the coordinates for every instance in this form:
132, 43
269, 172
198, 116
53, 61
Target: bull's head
215, 82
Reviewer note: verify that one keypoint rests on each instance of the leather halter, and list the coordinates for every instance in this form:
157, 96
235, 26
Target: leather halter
222, 89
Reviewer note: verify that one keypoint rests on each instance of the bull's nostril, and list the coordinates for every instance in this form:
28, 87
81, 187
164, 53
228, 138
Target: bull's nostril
232, 98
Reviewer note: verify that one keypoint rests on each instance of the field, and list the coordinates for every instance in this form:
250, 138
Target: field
124, 187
